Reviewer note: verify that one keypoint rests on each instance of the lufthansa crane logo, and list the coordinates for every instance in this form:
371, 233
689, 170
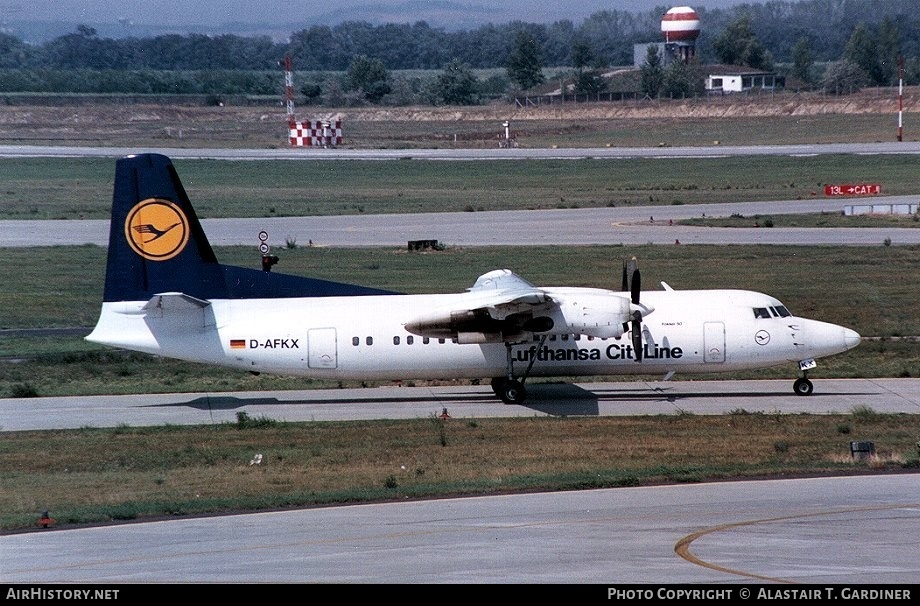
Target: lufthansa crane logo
157, 229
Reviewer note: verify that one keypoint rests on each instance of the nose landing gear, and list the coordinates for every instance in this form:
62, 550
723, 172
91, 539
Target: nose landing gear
802, 386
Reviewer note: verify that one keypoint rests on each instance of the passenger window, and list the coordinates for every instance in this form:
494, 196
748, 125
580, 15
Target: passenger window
426, 340
396, 340
370, 340
441, 341
409, 340
355, 341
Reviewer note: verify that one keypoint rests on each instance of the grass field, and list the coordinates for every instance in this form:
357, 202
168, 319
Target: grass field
824, 219
782, 118
668, 131
125, 473
82, 188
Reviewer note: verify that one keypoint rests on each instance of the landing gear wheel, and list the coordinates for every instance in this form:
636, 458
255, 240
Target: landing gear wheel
513, 392
803, 387
498, 384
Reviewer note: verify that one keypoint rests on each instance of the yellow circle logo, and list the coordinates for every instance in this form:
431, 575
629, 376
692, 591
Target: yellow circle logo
157, 229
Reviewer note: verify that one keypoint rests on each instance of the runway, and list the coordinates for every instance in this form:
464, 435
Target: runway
462, 401
822, 531
564, 153
585, 226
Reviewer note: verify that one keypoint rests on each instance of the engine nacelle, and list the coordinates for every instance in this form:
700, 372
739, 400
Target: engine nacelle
476, 338
598, 315
477, 326
448, 324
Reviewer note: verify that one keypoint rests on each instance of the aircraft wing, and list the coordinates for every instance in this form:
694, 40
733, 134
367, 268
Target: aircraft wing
500, 306
503, 289
503, 307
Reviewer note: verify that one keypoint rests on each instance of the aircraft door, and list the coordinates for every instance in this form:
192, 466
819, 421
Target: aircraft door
322, 348
713, 342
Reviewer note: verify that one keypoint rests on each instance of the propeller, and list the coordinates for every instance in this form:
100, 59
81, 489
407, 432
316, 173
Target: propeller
632, 282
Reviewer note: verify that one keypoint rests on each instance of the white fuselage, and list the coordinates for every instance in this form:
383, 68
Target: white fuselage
364, 337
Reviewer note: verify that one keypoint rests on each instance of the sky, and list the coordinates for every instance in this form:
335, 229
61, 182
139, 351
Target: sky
214, 13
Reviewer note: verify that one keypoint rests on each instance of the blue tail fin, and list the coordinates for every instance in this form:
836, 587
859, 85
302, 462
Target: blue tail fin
157, 245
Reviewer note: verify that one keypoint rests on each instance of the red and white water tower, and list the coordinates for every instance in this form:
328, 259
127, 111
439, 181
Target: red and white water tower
681, 27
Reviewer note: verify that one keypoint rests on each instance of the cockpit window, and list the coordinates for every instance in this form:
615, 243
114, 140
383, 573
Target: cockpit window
761, 312
777, 311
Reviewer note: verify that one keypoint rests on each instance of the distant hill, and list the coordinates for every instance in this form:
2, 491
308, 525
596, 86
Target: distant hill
40, 21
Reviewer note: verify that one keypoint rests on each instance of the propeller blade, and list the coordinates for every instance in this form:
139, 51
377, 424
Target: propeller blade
631, 279
636, 286
637, 339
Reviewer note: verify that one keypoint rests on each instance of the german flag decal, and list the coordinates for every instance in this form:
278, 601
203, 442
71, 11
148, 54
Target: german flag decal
237, 343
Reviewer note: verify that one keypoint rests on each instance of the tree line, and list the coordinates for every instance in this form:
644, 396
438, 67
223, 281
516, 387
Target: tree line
855, 43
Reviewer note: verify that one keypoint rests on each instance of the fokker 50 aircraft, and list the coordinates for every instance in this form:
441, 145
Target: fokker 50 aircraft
166, 294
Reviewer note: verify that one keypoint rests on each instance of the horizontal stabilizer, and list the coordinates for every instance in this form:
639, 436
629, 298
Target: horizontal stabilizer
174, 301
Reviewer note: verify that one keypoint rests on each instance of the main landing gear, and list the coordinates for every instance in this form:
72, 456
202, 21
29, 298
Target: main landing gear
510, 389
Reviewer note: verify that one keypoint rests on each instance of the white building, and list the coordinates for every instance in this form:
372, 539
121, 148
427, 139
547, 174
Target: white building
738, 79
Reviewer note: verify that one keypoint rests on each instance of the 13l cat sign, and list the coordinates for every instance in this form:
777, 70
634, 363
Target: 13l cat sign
863, 189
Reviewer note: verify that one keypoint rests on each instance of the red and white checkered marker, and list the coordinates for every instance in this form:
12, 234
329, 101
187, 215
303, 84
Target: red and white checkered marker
316, 133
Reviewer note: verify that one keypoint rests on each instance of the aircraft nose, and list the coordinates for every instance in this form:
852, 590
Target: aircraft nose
825, 339
851, 338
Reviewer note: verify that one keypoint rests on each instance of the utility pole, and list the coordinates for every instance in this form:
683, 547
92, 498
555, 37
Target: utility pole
289, 89
900, 98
